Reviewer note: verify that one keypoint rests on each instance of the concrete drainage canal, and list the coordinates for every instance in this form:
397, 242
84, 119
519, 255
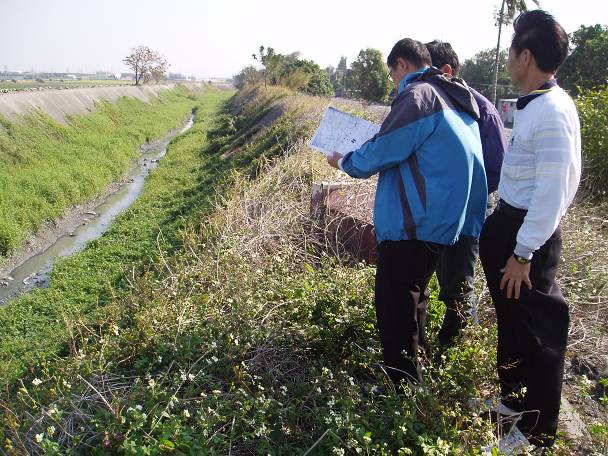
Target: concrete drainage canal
34, 270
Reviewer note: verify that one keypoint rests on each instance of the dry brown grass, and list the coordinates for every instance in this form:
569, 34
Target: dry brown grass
584, 279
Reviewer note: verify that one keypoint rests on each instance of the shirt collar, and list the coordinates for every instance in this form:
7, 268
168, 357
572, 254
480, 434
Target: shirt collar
522, 102
410, 77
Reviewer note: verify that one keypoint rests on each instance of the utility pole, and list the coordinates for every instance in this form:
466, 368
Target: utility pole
500, 21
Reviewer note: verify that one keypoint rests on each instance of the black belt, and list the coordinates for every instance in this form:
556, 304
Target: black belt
510, 211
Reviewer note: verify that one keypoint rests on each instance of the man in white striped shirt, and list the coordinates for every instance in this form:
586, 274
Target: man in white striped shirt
520, 244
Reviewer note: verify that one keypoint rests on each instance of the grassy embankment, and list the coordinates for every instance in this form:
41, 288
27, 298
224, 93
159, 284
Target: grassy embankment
46, 167
255, 337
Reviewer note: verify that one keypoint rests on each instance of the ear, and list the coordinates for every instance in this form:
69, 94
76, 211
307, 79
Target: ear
402, 63
447, 69
527, 57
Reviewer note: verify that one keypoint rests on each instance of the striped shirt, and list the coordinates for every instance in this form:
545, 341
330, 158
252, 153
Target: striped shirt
542, 167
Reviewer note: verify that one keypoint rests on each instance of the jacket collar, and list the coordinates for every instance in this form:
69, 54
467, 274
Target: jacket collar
410, 77
455, 89
522, 102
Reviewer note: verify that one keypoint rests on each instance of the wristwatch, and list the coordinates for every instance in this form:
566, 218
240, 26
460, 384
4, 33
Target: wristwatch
520, 259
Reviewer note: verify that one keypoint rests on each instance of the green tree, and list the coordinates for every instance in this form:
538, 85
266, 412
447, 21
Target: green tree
593, 111
479, 74
341, 75
316, 81
247, 76
319, 84
585, 68
272, 64
293, 72
505, 17
369, 75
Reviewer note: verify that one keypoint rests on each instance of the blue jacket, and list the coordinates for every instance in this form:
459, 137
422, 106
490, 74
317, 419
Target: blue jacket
431, 183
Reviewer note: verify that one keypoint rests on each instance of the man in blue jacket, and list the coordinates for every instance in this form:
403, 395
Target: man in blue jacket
456, 265
431, 189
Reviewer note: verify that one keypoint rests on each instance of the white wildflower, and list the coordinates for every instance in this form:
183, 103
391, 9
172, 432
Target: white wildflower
36, 381
39, 438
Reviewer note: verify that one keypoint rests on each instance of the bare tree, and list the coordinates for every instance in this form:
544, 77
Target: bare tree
147, 64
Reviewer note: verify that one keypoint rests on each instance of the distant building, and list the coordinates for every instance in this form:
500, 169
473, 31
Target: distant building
176, 77
105, 75
16, 75
507, 107
219, 80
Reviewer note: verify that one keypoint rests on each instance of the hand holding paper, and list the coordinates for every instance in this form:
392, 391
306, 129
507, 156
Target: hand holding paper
333, 159
341, 132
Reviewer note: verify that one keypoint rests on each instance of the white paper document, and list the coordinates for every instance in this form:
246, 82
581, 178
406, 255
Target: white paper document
341, 132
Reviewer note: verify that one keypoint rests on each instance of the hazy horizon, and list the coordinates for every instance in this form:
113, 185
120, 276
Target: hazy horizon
217, 40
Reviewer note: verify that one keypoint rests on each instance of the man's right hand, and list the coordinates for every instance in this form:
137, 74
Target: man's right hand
333, 159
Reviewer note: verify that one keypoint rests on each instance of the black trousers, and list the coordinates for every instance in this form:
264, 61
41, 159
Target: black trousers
456, 277
403, 271
532, 331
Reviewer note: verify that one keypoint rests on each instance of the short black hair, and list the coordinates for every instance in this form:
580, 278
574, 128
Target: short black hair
539, 32
442, 53
411, 50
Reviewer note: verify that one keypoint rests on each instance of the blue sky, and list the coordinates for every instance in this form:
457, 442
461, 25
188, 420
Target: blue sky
217, 38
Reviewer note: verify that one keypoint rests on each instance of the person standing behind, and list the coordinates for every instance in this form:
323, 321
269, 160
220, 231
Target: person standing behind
431, 188
521, 242
456, 264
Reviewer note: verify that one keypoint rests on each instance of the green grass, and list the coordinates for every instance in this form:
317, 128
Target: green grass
33, 325
221, 347
247, 336
46, 167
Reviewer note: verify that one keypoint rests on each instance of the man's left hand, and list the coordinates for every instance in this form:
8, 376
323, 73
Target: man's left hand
333, 159
514, 274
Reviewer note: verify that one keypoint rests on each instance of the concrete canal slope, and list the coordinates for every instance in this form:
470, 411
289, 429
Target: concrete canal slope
61, 103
